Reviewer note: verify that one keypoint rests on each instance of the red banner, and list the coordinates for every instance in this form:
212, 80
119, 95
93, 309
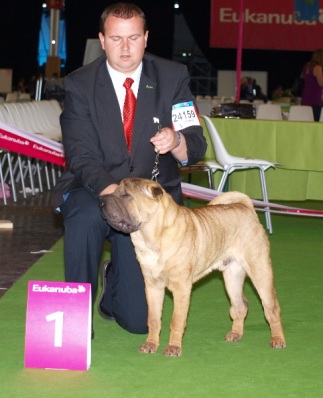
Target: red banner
55, 4
31, 145
267, 25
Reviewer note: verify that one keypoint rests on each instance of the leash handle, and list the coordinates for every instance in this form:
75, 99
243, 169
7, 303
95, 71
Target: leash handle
155, 171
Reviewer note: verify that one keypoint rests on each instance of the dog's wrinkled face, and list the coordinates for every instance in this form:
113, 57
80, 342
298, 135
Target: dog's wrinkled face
132, 204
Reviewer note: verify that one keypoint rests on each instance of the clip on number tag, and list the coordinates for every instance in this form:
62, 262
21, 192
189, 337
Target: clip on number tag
184, 115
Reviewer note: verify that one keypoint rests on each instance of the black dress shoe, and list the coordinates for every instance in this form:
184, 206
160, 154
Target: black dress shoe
106, 266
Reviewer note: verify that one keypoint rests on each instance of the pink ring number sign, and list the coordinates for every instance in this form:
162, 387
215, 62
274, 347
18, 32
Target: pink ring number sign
58, 325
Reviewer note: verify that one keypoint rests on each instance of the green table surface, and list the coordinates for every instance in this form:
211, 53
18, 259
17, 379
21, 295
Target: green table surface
297, 147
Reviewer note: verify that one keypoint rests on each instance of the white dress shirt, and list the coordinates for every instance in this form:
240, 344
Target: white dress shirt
118, 79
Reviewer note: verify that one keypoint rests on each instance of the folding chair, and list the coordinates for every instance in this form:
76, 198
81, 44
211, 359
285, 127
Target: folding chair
232, 163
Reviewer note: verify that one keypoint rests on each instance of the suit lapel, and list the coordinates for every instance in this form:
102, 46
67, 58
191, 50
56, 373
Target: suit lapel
145, 103
108, 109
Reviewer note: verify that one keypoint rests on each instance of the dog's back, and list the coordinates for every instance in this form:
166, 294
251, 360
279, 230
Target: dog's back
233, 197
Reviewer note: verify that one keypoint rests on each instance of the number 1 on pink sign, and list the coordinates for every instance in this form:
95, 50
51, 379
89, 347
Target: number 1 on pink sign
58, 317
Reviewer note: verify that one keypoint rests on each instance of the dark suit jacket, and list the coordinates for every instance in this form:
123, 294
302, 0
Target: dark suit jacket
93, 137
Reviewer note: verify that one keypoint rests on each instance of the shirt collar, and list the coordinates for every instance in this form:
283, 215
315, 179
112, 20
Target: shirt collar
120, 77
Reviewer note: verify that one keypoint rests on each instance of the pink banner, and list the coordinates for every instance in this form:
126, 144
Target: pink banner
32, 145
239, 52
267, 25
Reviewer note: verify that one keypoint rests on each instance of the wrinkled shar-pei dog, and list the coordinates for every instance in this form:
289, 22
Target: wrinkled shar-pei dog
176, 246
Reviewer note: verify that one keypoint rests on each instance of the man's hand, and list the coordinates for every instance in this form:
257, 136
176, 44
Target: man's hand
165, 140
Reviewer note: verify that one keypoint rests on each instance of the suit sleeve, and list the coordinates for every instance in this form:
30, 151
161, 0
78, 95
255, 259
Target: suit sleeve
195, 140
80, 140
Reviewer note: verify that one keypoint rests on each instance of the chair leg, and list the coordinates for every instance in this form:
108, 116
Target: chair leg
2, 183
12, 178
31, 176
53, 175
210, 174
265, 198
223, 180
47, 175
21, 172
39, 175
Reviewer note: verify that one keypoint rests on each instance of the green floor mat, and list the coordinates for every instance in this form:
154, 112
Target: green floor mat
209, 367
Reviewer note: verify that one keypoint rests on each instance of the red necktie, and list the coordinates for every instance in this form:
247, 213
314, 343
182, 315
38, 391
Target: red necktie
128, 111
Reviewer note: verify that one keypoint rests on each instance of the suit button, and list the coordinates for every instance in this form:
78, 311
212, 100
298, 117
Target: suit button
131, 169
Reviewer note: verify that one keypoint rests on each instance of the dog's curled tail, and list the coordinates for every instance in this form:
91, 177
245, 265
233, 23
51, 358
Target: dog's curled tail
233, 197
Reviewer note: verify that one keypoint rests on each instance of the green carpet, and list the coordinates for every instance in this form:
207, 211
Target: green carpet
209, 367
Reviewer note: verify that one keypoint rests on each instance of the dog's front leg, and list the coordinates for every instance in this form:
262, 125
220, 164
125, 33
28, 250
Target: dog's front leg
155, 298
181, 296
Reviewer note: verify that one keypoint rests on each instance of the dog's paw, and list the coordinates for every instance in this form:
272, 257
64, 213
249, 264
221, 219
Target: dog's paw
233, 337
149, 347
277, 342
172, 351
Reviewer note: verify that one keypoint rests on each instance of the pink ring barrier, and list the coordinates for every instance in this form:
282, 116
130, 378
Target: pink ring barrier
31, 145
207, 194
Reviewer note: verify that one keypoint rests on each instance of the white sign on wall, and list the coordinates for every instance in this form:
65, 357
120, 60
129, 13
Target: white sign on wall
227, 81
93, 50
5, 81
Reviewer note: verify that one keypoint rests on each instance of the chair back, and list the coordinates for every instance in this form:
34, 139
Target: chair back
269, 112
216, 100
10, 97
258, 102
221, 154
204, 106
301, 113
24, 97
4, 115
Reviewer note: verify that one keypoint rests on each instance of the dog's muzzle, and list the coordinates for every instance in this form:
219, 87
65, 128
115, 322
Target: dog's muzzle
116, 214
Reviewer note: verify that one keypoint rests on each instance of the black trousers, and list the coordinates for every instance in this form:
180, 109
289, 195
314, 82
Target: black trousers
84, 238
317, 109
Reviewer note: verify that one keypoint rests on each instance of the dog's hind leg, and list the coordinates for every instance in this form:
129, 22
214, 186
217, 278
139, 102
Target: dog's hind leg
234, 276
263, 281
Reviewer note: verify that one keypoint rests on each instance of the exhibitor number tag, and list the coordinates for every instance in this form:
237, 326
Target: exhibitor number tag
184, 115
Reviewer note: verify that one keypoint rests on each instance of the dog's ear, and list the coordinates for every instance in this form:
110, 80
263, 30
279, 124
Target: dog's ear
156, 192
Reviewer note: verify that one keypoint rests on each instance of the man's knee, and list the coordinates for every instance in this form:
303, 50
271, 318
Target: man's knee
81, 211
133, 326
133, 321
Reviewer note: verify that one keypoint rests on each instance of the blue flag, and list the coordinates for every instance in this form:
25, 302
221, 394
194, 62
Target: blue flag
306, 10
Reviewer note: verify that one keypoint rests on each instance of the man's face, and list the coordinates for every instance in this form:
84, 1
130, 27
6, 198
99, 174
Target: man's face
124, 43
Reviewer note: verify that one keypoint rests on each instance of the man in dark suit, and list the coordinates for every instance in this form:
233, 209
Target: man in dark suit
98, 157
